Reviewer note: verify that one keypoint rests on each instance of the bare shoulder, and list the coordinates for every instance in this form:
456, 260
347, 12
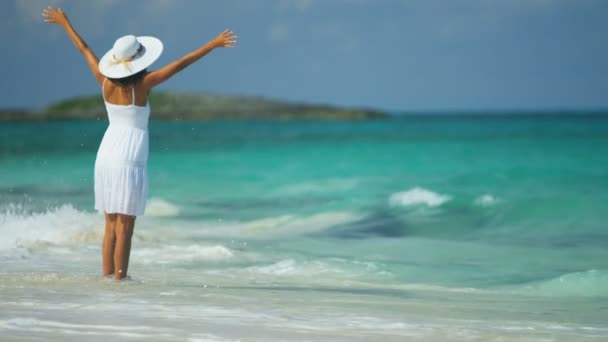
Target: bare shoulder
152, 79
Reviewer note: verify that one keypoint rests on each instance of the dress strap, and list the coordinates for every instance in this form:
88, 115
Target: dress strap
133, 93
102, 88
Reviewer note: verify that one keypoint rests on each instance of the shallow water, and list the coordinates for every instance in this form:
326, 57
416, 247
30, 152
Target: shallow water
436, 228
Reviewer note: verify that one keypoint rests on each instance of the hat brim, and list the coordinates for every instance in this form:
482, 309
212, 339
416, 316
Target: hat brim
153, 48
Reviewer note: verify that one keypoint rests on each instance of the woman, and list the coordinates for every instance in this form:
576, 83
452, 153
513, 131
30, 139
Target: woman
120, 167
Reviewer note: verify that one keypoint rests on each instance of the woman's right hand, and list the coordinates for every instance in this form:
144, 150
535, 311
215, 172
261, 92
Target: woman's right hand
56, 16
225, 39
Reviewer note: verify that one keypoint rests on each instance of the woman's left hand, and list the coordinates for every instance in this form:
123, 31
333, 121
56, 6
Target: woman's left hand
56, 16
226, 39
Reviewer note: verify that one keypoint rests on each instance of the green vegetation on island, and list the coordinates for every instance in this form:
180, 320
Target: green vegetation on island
189, 106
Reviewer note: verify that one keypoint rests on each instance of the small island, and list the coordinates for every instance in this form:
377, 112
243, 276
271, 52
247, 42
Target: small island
191, 106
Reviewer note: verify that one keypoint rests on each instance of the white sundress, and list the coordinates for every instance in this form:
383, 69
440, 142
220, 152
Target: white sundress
121, 180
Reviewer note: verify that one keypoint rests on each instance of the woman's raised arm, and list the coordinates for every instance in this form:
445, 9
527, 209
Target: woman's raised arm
225, 39
57, 16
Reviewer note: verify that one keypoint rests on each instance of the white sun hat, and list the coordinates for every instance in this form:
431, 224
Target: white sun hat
130, 55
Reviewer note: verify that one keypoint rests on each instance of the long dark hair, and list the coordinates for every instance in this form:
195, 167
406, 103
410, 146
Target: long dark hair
129, 82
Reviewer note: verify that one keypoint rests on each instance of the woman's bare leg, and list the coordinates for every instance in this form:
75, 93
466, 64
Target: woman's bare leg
107, 250
124, 231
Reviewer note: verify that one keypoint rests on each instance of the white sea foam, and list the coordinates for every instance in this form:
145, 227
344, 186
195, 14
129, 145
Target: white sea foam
486, 200
159, 207
590, 283
417, 196
331, 270
209, 338
64, 225
280, 268
179, 254
31, 324
292, 268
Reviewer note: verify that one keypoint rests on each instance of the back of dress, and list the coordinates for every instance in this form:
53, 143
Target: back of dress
121, 183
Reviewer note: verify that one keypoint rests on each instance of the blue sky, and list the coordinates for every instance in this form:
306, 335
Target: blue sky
388, 54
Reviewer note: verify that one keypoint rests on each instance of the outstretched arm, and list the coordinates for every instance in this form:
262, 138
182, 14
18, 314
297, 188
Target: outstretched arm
154, 78
57, 16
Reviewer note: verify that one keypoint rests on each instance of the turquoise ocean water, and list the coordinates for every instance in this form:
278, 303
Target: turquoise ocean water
417, 228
